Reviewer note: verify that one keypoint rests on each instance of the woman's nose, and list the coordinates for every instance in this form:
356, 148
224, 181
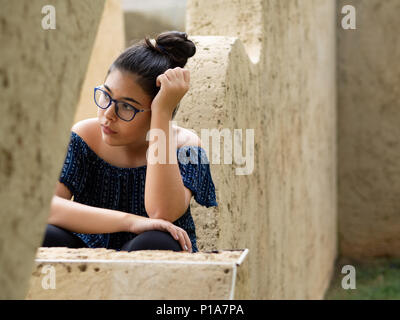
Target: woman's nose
110, 111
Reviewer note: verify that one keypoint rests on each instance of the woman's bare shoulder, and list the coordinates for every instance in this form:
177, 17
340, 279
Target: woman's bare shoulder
88, 130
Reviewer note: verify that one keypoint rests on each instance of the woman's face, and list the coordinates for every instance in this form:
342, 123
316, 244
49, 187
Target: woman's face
122, 86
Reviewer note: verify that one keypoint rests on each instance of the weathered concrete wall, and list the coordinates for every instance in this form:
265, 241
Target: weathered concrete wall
109, 43
369, 131
270, 66
41, 73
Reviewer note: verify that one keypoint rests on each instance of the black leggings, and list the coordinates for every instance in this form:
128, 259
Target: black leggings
149, 240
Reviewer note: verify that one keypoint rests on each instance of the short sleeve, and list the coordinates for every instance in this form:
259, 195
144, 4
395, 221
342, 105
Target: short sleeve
196, 174
74, 170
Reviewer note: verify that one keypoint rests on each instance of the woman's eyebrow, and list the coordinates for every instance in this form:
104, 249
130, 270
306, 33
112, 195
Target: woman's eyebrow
125, 98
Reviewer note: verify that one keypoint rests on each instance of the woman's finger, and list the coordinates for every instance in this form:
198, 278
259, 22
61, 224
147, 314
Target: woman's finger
182, 240
179, 74
175, 74
186, 75
173, 232
177, 233
160, 79
169, 74
188, 242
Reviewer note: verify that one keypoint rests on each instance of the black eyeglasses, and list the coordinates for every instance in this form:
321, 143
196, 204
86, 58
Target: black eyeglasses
124, 110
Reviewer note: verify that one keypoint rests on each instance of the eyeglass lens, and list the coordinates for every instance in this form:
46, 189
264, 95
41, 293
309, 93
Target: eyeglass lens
124, 110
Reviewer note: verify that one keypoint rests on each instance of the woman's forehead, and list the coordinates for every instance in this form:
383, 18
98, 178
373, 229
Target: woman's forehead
123, 84
121, 80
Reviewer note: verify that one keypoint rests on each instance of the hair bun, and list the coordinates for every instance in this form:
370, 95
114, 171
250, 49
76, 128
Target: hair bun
175, 45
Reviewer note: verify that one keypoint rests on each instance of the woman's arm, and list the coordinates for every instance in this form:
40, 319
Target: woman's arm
81, 218
166, 197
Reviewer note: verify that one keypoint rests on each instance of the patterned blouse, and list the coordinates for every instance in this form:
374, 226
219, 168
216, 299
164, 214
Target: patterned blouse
95, 182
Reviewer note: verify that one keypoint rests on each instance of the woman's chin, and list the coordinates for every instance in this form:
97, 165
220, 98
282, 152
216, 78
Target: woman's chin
109, 139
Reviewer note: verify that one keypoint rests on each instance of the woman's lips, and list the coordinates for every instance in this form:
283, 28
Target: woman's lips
107, 130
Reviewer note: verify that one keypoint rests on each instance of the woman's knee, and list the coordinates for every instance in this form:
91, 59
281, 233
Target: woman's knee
152, 240
59, 237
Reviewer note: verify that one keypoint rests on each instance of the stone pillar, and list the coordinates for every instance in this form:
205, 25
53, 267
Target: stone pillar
270, 66
41, 74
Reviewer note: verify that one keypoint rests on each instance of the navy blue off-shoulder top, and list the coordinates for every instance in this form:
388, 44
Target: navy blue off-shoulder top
95, 182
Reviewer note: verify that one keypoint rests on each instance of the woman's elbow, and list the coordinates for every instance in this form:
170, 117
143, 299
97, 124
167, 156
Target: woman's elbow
54, 211
168, 215
164, 215
155, 212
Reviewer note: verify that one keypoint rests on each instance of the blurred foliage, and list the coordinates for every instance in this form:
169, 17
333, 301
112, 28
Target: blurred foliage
378, 279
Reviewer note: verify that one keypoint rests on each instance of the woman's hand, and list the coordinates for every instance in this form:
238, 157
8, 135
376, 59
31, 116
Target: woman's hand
174, 85
139, 224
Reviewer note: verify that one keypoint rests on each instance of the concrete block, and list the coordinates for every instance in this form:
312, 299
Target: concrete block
150, 274
270, 66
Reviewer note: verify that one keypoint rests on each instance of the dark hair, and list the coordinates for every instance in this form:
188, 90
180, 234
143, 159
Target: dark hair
147, 61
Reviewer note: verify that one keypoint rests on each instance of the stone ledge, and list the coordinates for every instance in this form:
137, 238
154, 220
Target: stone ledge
151, 274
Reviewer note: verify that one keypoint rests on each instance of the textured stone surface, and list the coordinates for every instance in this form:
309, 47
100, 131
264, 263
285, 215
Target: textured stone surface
41, 73
245, 23
369, 131
108, 274
103, 253
270, 66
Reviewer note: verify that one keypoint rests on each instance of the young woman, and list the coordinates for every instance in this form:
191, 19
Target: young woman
123, 201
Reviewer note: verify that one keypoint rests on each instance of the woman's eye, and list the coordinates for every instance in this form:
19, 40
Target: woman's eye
128, 107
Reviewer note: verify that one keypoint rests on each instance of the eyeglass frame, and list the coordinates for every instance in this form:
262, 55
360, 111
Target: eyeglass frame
136, 110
